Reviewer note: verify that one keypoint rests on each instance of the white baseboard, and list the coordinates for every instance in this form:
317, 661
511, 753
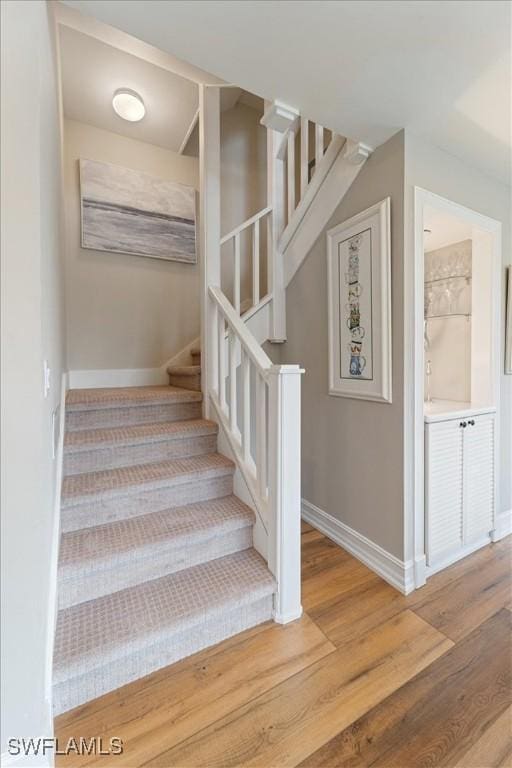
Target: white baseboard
117, 377
420, 571
503, 525
396, 572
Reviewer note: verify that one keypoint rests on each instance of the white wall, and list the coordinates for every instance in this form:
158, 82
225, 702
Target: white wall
32, 331
448, 333
352, 450
124, 311
439, 172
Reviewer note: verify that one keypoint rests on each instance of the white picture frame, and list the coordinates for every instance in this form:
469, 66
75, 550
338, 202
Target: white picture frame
508, 324
359, 305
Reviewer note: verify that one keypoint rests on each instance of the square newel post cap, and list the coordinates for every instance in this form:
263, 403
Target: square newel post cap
279, 117
277, 370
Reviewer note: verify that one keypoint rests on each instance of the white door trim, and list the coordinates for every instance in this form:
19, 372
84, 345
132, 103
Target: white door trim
414, 522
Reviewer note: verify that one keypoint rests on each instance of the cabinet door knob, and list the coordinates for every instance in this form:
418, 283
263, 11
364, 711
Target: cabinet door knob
472, 422
463, 424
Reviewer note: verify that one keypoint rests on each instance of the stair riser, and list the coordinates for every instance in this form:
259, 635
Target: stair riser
83, 585
113, 457
106, 510
186, 382
96, 682
101, 418
196, 358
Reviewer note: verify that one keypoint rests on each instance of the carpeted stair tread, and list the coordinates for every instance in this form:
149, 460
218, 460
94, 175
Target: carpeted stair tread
121, 397
101, 631
86, 439
184, 370
143, 477
110, 545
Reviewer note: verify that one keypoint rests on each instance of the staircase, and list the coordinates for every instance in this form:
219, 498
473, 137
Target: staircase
180, 514
187, 376
156, 558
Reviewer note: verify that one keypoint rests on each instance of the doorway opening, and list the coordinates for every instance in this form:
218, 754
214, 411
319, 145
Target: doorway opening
457, 265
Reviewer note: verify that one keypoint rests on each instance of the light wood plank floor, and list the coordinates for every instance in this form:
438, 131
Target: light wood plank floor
366, 678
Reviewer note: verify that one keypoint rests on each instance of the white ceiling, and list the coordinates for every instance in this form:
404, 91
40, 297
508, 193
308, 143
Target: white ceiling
444, 229
93, 70
365, 68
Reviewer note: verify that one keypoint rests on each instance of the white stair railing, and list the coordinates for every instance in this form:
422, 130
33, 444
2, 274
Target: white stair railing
307, 151
254, 224
300, 154
258, 405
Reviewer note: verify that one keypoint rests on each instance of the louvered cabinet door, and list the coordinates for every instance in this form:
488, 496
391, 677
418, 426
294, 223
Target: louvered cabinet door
443, 489
478, 452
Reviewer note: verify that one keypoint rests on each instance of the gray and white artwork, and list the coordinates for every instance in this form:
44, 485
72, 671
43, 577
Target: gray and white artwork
127, 211
356, 330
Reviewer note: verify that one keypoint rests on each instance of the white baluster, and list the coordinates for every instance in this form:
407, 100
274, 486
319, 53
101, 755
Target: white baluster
319, 144
221, 347
214, 347
246, 400
256, 263
304, 155
261, 435
232, 382
291, 174
236, 275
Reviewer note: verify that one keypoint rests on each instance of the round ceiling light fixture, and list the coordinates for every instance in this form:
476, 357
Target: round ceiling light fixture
128, 105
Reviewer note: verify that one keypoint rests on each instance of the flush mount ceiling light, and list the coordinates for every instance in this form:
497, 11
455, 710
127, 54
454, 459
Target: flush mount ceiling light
128, 105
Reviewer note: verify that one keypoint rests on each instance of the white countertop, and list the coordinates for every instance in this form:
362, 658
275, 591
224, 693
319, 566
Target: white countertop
443, 410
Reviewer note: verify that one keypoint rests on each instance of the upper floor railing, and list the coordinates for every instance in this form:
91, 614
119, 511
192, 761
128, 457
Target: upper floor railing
253, 226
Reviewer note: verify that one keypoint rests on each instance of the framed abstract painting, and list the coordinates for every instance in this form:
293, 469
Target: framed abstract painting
359, 305
127, 211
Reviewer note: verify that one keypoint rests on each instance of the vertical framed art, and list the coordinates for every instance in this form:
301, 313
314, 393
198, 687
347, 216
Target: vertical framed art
359, 305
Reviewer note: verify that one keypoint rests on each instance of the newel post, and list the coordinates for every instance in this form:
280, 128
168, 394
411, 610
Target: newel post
278, 119
275, 198
209, 221
284, 489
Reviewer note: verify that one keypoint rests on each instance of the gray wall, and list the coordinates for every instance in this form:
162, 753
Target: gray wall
32, 331
243, 190
439, 172
124, 311
352, 451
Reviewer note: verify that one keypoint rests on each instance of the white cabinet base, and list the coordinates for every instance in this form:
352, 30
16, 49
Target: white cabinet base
459, 488
458, 554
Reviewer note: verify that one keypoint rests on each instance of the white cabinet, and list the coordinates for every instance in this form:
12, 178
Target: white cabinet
478, 480
459, 486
